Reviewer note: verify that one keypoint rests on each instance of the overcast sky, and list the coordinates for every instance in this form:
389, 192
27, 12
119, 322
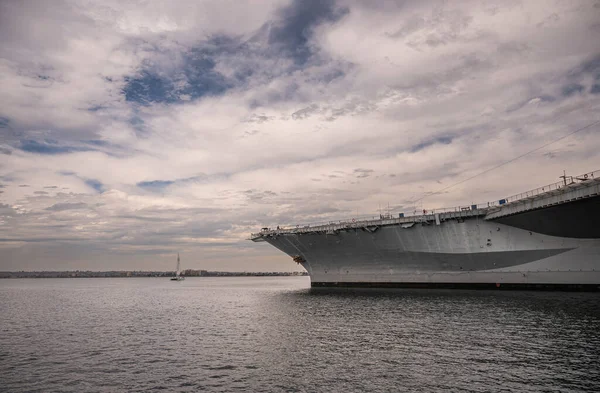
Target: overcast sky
133, 130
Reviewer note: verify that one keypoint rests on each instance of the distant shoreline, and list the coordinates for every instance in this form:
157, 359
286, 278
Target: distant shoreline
132, 273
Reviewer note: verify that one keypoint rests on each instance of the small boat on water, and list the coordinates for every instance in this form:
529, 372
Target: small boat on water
178, 276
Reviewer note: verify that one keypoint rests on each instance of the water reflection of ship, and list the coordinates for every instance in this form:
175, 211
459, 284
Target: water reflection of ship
178, 276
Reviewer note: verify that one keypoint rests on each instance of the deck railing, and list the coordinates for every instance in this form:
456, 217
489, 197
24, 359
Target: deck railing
367, 220
566, 182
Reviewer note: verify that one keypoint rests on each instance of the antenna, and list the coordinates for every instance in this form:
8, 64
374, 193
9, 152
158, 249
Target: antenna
564, 177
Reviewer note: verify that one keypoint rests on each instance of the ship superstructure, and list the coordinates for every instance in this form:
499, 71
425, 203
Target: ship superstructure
544, 238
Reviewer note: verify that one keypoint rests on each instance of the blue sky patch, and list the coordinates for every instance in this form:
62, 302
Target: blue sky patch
97, 142
95, 184
147, 88
195, 78
49, 147
155, 185
297, 21
444, 140
158, 185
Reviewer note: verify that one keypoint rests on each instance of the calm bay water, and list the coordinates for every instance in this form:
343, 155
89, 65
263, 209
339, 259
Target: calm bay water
276, 334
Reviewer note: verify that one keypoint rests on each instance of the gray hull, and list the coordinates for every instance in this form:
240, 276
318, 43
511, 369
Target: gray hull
555, 245
454, 252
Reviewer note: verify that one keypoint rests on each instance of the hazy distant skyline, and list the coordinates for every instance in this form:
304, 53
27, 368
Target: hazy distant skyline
133, 130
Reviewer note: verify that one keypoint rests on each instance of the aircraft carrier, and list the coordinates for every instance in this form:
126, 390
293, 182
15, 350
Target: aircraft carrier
547, 238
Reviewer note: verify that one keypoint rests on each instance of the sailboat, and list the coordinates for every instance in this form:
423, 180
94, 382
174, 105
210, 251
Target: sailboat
178, 276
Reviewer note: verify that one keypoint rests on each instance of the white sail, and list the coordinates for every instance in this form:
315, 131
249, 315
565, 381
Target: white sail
178, 276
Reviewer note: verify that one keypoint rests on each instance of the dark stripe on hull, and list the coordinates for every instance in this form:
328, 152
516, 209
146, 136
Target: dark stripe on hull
578, 219
449, 285
430, 261
360, 251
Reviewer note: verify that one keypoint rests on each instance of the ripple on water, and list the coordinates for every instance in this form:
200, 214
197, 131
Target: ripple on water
275, 334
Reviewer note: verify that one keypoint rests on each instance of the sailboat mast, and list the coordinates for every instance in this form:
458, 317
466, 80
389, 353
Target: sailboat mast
178, 264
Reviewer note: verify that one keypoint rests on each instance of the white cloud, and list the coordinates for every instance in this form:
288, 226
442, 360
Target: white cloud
394, 102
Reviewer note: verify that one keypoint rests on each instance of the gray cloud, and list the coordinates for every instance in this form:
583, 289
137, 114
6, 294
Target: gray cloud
259, 195
360, 172
254, 118
184, 128
67, 206
305, 112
